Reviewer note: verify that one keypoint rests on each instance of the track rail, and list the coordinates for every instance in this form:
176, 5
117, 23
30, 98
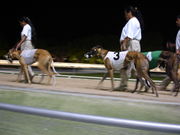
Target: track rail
142, 125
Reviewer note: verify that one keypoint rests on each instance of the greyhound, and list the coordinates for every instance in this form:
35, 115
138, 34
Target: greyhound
28, 57
171, 62
153, 57
141, 63
119, 60
109, 62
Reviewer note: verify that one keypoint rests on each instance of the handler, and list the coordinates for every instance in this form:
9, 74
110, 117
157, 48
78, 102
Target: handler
27, 35
130, 39
167, 80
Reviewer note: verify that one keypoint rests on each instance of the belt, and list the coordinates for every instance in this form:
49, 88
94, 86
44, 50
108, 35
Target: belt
135, 39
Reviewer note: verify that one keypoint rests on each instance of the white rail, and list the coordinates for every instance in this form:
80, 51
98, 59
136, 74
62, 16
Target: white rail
69, 65
58, 64
142, 125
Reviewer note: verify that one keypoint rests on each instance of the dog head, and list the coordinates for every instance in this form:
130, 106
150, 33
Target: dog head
131, 55
171, 46
95, 51
12, 54
164, 57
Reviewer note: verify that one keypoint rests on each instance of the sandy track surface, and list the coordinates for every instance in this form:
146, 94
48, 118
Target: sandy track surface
89, 86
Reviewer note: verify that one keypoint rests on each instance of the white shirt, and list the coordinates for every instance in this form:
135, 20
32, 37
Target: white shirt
116, 59
28, 56
26, 31
178, 41
132, 29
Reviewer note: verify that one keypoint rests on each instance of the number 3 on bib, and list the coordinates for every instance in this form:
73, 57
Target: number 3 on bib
116, 56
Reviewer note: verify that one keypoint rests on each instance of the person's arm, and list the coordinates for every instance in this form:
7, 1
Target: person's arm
124, 44
20, 42
178, 43
128, 35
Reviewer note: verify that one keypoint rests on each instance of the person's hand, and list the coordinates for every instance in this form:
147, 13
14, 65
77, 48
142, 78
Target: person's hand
178, 52
124, 44
123, 47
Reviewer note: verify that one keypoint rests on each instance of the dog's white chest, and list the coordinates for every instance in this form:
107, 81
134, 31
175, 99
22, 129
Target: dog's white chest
116, 59
28, 56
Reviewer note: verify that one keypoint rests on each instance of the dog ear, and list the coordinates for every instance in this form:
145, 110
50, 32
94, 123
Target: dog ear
99, 47
99, 50
163, 60
166, 54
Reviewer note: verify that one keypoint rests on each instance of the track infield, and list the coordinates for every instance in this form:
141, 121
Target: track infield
15, 123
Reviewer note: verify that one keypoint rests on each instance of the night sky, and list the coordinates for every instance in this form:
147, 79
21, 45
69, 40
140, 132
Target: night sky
65, 24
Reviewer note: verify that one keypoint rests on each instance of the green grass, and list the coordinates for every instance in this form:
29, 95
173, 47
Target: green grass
19, 124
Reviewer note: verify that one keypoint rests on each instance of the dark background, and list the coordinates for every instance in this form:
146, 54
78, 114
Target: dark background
78, 29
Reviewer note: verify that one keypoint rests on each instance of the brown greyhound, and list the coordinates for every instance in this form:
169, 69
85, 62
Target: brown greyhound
118, 60
28, 57
141, 63
153, 57
171, 62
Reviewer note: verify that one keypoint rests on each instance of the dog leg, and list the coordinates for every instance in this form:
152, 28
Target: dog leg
27, 74
109, 67
176, 88
142, 83
104, 77
145, 75
53, 71
54, 80
176, 93
111, 74
31, 73
25, 69
145, 83
19, 75
136, 86
52, 66
147, 86
44, 70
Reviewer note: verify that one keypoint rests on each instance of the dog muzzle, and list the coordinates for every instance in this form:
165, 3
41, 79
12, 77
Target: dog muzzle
8, 58
88, 55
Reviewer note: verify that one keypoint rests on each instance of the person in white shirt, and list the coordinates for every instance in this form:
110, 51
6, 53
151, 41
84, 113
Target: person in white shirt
131, 32
131, 35
167, 80
178, 36
27, 34
27, 37
130, 39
